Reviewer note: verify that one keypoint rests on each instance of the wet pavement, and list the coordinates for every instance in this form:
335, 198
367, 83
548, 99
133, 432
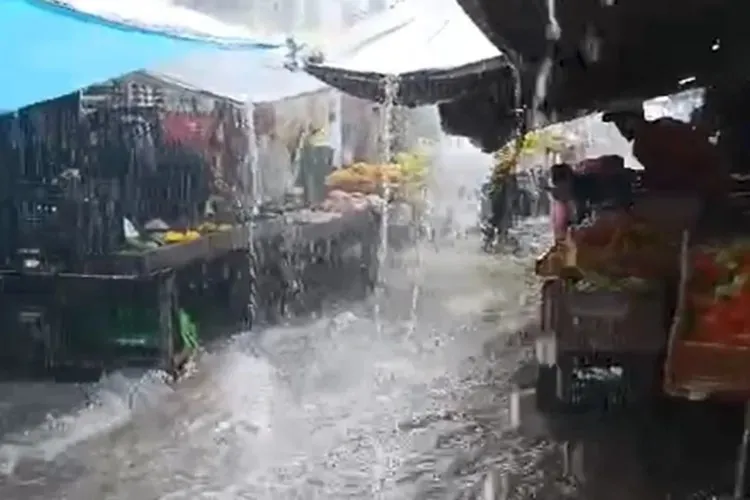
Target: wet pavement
405, 396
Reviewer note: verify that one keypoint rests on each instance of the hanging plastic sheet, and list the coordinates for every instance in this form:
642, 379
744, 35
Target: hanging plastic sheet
51, 49
437, 54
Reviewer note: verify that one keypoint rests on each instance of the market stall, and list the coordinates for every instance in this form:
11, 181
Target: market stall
113, 193
645, 286
708, 354
296, 142
397, 187
144, 187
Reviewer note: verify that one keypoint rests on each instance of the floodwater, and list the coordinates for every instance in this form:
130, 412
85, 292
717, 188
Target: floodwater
407, 400
347, 406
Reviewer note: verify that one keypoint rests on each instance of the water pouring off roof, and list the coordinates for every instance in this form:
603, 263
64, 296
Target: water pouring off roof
55, 48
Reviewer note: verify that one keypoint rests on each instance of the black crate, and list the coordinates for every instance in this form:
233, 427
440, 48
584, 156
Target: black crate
589, 383
62, 228
604, 321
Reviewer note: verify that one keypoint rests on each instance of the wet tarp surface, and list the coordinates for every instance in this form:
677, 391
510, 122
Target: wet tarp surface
166, 17
426, 48
242, 76
51, 49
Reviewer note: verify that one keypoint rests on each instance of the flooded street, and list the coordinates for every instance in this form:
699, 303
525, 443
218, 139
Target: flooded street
145, 198
410, 404
407, 395
389, 402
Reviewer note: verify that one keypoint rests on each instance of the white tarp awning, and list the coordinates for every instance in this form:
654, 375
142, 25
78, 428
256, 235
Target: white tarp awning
167, 17
246, 77
406, 40
416, 41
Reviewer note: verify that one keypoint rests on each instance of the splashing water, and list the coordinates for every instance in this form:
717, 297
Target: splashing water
103, 407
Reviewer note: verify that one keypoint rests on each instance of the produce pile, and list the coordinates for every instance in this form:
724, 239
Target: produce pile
615, 252
163, 235
175, 236
719, 294
343, 202
405, 177
507, 159
622, 245
364, 178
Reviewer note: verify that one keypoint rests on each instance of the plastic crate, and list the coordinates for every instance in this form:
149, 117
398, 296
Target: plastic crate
63, 228
610, 322
601, 342
605, 383
696, 369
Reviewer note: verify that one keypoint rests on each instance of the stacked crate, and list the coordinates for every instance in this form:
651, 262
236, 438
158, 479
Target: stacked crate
57, 205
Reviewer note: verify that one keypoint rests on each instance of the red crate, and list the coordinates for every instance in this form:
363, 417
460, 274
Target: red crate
700, 369
696, 369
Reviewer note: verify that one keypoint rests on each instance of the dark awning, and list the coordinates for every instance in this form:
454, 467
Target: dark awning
437, 56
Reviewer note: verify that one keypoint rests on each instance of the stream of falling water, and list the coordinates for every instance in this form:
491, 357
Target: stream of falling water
390, 85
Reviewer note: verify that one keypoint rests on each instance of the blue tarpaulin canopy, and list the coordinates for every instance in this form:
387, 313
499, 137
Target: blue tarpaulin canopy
51, 49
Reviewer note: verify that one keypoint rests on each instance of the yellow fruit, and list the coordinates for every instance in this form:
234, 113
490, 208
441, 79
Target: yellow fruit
506, 159
174, 237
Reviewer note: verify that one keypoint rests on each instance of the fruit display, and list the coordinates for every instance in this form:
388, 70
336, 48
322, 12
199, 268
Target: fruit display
342, 202
174, 236
405, 177
718, 294
171, 237
616, 251
623, 246
210, 227
364, 178
507, 159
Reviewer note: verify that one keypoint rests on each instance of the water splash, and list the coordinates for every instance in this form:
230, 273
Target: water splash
104, 407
